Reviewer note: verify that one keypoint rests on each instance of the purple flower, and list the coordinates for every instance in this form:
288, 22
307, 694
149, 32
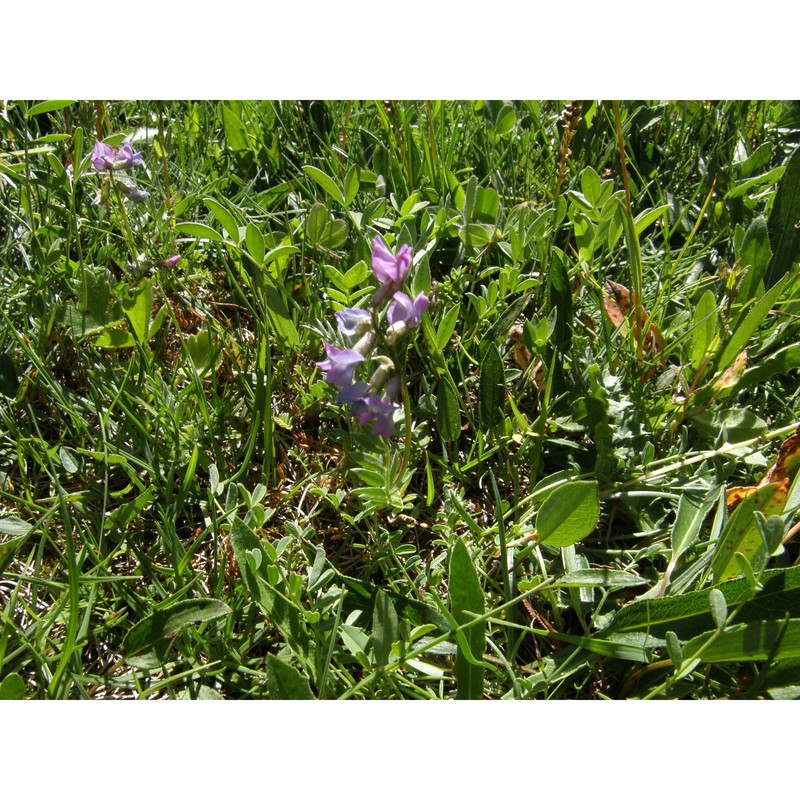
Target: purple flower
103, 156
390, 270
340, 365
378, 411
405, 313
353, 321
171, 261
126, 157
351, 394
391, 389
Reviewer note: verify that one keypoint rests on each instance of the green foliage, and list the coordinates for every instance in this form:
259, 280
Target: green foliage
467, 604
285, 682
184, 510
783, 231
569, 514
165, 624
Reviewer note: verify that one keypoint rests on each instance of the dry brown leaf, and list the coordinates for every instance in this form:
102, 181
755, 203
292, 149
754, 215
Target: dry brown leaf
782, 472
617, 305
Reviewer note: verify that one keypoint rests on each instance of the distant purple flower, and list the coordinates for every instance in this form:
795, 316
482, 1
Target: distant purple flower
127, 158
378, 411
353, 321
103, 157
172, 261
340, 365
407, 312
390, 270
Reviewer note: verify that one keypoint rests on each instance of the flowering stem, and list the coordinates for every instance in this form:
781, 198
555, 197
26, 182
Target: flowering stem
406, 398
162, 142
126, 224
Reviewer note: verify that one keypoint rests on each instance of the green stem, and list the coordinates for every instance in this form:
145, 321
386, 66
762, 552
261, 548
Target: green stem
400, 365
163, 143
126, 227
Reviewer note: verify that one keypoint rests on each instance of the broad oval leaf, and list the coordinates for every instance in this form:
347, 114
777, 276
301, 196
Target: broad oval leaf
47, 106
285, 682
12, 687
199, 231
316, 220
69, 460
327, 183
225, 218
167, 623
446, 327
569, 514
255, 243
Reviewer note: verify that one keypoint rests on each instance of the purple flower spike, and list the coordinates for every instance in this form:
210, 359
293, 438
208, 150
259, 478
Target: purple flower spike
353, 321
390, 270
127, 158
340, 365
103, 157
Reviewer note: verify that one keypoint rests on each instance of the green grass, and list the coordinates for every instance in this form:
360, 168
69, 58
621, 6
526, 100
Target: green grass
186, 512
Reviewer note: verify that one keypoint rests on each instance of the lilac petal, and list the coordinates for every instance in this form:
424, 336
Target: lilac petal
405, 313
125, 154
421, 302
357, 407
383, 427
171, 261
351, 394
389, 269
340, 365
403, 262
379, 412
126, 157
392, 388
401, 309
351, 321
369, 408
384, 265
102, 156
382, 294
